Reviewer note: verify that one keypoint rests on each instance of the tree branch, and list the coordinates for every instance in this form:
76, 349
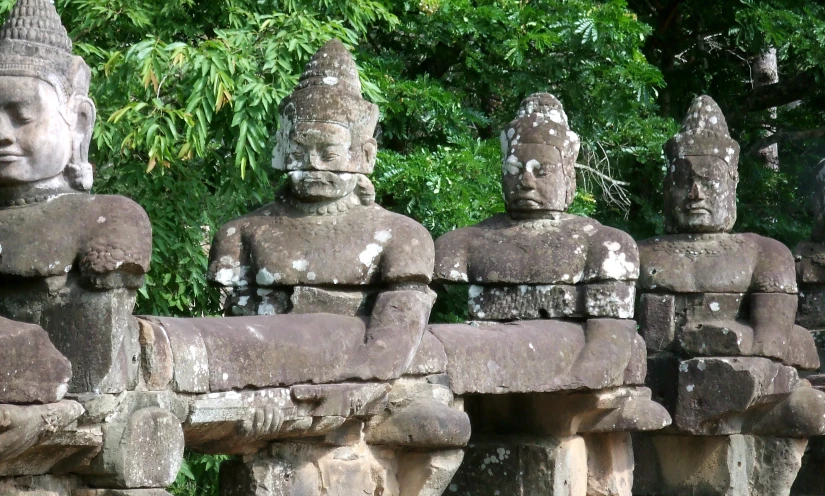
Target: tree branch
777, 94
786, 136
605, 177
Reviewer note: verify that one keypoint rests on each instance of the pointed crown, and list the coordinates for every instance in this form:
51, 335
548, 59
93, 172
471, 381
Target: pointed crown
704, 132
329, 91
34, 43
541, 119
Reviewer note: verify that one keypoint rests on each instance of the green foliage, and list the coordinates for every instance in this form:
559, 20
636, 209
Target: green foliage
198, 475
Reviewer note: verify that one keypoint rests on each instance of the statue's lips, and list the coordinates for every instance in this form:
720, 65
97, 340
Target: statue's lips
697, 210
9, 157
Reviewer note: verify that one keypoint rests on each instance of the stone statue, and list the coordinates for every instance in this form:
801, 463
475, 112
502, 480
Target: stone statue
70, 261
353, 279
810, 263
717, 313
551, 296
324, 245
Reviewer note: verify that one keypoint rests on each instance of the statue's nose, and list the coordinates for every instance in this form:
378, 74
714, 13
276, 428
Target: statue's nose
528, 180
6, 130
696, 192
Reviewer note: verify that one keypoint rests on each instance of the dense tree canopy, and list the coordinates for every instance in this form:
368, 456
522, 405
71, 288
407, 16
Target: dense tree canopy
187, 94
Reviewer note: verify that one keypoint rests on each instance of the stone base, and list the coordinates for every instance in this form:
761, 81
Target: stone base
513, 466
733, 465
811, 478
609, 464
302, 469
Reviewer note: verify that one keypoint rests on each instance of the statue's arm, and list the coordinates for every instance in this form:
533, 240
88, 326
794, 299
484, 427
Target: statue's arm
773, 300
451, 251
610, 275
118, 250
402, 310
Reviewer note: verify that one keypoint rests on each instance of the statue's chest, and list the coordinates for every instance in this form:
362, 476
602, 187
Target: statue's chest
720, 266
33, 243
523, 256
316, 251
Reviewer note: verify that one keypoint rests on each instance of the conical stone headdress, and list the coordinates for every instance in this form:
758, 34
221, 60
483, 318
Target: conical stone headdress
329, 91
33, 42
541, 120
704, 132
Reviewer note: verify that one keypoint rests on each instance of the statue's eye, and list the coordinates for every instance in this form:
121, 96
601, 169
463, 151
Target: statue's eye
297, 156
22, 115
329, 155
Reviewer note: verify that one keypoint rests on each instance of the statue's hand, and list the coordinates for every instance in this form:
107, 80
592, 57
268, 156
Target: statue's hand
265, 422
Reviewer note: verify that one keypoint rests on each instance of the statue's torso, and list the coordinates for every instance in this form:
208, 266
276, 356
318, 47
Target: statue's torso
719, 263
91, 233
503, 251
275, 247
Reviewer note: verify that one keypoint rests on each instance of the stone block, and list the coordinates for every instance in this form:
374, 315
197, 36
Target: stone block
35, 372
811, 310
513, 466
157, 364
550, 301
715, 465
609, 464
24, 429
295, 469
430, 357
657, 323
105, 355
715, 393
537, 355
424, 424
309, 299
142, 443
429, 473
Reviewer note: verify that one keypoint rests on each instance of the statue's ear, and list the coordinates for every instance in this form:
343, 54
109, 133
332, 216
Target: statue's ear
84, 113
370, 148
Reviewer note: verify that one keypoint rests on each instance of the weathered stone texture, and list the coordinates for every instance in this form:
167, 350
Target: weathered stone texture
34, 371
556, 466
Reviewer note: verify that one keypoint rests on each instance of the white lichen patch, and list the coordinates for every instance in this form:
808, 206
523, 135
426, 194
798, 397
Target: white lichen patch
475, 291
458, 276
330, 80
616, 266
383, 236
300, 265
368, 256
230, 231
714, 306
311, 276
266, 278
101, 219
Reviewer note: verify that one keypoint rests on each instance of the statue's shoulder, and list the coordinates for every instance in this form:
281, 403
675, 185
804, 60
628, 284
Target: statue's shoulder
612, 254
408, 253
119, 233
774, 268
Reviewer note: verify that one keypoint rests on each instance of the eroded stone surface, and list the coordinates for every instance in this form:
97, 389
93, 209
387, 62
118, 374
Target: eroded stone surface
35, 371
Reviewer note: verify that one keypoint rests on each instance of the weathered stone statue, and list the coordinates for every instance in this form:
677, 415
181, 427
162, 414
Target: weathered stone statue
810, 264
717, 313
551, 295
352, 278
70, 261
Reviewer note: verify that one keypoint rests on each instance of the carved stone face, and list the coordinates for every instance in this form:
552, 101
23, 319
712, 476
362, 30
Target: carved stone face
533, 179
319, 186
702, 195
316, 151
35, 139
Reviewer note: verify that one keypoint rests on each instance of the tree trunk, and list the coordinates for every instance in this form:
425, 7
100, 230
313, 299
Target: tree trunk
765, 72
